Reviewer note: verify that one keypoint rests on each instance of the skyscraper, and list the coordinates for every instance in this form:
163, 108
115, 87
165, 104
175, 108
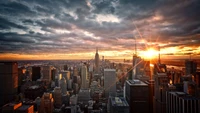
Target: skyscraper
97, 61
36, 73
46, 71
160, 88
63, 85
46, 103
190, 67
137, 65
57, 95
137, 95
84, 79
8, 81
109, 81
180, 102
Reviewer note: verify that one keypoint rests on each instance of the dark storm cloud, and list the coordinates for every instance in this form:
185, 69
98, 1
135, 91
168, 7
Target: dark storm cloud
41, 24
14, 37
15, 9
6, 24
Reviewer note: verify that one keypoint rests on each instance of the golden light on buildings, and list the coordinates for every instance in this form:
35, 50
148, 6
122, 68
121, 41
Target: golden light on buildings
170, 82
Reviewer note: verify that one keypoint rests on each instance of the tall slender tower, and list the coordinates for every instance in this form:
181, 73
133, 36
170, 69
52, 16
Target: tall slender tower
84, 79
97, 61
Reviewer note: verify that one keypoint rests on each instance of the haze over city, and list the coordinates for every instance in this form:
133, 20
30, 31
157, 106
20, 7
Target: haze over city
72, 29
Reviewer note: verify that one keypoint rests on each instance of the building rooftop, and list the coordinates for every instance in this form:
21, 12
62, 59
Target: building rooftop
119, 101
34, 87
109, 69
24, 107
12, 105
184, 95
136, 83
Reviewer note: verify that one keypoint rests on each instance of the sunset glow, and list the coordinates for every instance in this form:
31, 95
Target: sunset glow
150, 54
62, 29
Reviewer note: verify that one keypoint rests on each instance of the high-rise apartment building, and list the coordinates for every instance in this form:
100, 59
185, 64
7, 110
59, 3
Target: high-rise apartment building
8, 81
109, 81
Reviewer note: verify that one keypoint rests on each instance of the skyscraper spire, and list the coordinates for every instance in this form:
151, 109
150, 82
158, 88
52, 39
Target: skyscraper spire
96, 49
97, 61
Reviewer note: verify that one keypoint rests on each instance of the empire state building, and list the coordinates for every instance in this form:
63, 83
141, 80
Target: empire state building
97, 61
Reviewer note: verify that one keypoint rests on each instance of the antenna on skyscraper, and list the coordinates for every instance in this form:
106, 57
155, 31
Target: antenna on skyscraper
135, 47
96, 49
159, 54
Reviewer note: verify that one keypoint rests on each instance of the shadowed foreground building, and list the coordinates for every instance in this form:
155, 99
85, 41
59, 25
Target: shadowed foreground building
160, 88
137, 95
36, 74
8, 81
180, 102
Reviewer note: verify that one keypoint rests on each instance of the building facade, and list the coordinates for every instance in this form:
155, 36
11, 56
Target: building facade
137, 96
8, 81
109, 81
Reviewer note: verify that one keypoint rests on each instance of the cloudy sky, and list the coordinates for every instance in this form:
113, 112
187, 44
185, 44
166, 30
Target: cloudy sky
72, 29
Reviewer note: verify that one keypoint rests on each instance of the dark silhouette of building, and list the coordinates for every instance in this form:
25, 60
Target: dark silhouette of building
97, 61
160, 88
8, 81
180, 102
65, 67
137, 95
53, 74
190, 67
33, 92
151, 84
36, 73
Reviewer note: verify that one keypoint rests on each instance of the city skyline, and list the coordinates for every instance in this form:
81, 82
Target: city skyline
72, 29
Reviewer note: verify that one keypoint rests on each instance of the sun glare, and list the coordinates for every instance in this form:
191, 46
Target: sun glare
150, 53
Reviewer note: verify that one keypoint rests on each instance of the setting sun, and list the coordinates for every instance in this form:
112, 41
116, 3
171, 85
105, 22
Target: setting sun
150, 53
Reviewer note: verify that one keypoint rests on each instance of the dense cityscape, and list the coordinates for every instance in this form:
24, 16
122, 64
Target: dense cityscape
99, 86
99, 56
